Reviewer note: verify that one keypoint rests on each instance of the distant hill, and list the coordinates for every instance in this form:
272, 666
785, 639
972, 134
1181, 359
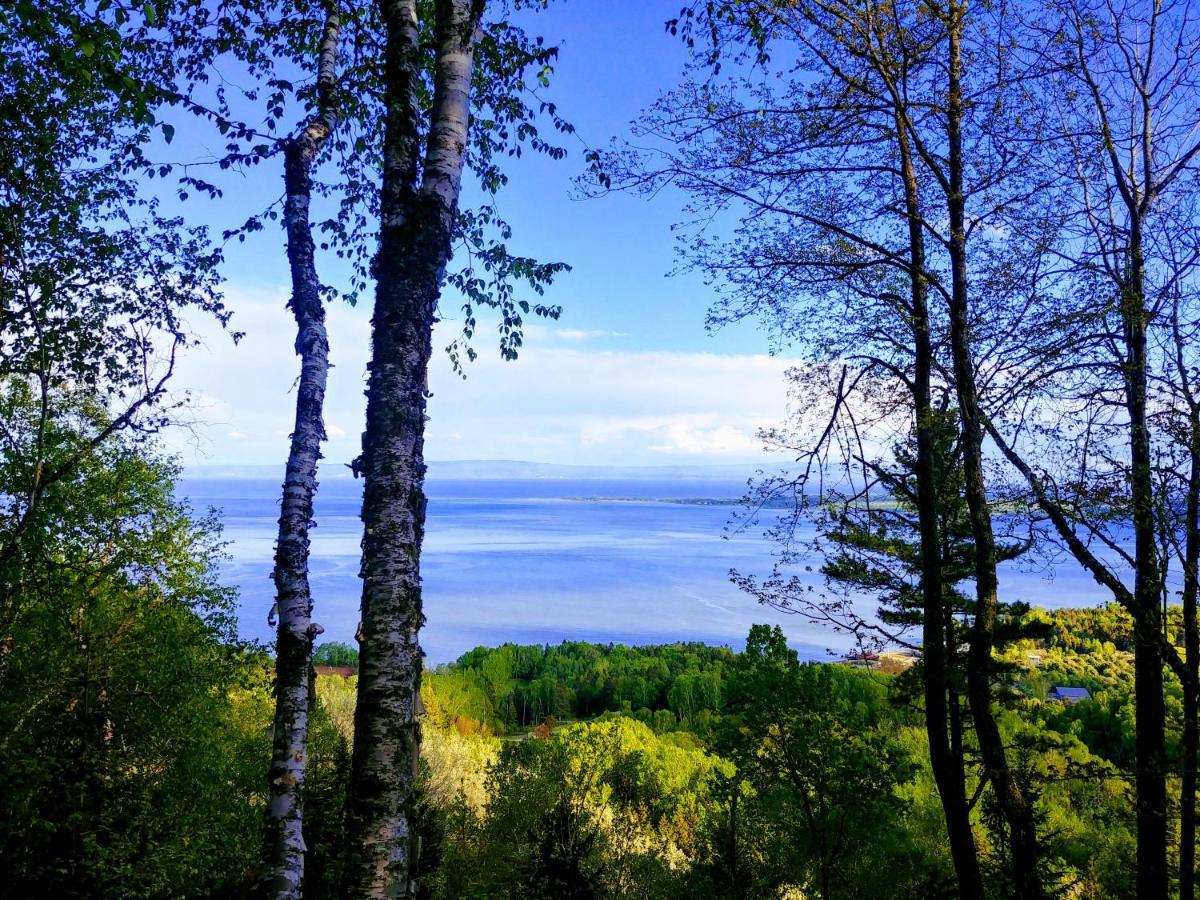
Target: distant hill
504, 468
497, 469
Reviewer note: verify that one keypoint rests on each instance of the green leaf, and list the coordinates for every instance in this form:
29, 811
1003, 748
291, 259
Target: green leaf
168, 132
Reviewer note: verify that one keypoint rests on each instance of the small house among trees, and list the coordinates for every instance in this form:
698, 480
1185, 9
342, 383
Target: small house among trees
1069, 694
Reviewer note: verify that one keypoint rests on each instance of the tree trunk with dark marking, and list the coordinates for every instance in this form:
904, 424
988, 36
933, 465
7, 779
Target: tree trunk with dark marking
284, 840
417, 226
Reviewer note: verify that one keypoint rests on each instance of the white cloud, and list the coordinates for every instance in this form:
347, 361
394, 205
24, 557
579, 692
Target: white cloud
723, 440
688, 434
570, 404
575, 334
577, 405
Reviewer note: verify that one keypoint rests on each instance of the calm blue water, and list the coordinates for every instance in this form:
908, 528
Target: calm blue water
516, 561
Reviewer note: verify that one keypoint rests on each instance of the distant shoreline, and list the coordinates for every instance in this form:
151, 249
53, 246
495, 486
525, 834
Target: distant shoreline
506, 470
773, 503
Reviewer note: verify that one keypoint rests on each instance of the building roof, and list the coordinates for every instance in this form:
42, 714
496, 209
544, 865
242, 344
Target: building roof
1061, 692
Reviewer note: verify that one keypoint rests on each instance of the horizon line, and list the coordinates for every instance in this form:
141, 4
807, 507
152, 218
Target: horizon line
335, 469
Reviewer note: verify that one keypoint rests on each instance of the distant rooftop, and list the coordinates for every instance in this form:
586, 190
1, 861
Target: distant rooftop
1070, 694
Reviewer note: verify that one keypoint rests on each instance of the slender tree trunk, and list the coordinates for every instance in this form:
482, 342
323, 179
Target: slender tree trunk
1151, 781
735, 881
954, 692
284, 841
1191, 637
954, 697
1151, 778
947, 770
1015, 807
1151, 650
417, 225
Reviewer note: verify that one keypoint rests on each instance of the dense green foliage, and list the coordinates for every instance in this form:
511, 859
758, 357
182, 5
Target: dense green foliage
335, 653
808, 777
600, 809
131, 719
818, 751
515, 686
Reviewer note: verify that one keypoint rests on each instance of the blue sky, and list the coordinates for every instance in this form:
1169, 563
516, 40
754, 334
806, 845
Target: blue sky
628, 376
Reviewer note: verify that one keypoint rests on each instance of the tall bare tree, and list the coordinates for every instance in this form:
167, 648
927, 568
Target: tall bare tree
880, 115
834, 201
1179, 396
1124, 142
950, 172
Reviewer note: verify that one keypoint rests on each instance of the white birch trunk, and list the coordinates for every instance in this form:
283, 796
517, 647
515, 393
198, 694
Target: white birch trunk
415, 244
284, 848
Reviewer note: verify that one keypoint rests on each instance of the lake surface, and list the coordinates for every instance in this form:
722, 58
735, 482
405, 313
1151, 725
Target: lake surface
528, 560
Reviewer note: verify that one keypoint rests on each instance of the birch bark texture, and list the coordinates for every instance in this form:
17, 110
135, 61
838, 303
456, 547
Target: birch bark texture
418, 211
284, 848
